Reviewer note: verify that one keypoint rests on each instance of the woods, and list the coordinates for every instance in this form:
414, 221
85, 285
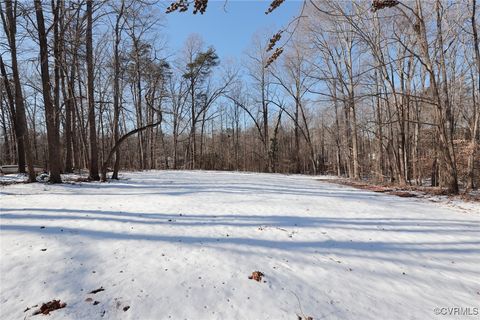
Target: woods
196, 159
387, 91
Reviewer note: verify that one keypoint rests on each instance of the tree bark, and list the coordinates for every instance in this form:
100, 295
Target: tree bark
9, 20
476, 109
116, 89
93, 165
53, 143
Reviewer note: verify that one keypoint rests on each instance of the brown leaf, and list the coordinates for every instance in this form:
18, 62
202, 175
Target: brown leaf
257, 276
382, 4
274, 5
50, 306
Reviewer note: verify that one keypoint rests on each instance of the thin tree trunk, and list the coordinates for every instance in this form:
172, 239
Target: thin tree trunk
119, 143
476, 109
116, 90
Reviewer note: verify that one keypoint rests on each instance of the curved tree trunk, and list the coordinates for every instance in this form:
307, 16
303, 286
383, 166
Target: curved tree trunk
119, 143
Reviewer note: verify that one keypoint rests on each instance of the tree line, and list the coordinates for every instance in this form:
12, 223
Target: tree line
382, 90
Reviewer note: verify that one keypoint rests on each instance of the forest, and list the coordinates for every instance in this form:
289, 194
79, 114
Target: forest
239, 159
385, 91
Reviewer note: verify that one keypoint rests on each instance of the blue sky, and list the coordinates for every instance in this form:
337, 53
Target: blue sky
229, 25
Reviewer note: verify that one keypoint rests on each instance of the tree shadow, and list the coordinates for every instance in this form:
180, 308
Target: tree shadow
179, 188
311, 239
64, 218
443, 246
403, 225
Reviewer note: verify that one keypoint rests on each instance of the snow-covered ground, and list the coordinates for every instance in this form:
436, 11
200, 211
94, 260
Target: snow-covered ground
181, 245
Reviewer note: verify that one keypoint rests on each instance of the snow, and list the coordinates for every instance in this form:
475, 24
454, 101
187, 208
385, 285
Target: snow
13, 178
181, 245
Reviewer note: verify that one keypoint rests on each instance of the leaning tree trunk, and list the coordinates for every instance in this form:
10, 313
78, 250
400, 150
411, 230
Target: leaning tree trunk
440, 95
119, 143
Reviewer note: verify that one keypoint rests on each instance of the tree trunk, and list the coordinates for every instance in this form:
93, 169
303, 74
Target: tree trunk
93, 167
476, 109
116, 90
53, 143
119, 143
9, 20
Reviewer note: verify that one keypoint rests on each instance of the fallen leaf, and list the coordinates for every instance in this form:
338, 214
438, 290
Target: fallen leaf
256, 275
50, 306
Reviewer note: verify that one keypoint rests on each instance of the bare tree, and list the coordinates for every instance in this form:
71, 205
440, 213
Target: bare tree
50, 112
9, 22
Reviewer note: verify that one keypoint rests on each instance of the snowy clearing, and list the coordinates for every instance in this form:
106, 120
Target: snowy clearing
181, 245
